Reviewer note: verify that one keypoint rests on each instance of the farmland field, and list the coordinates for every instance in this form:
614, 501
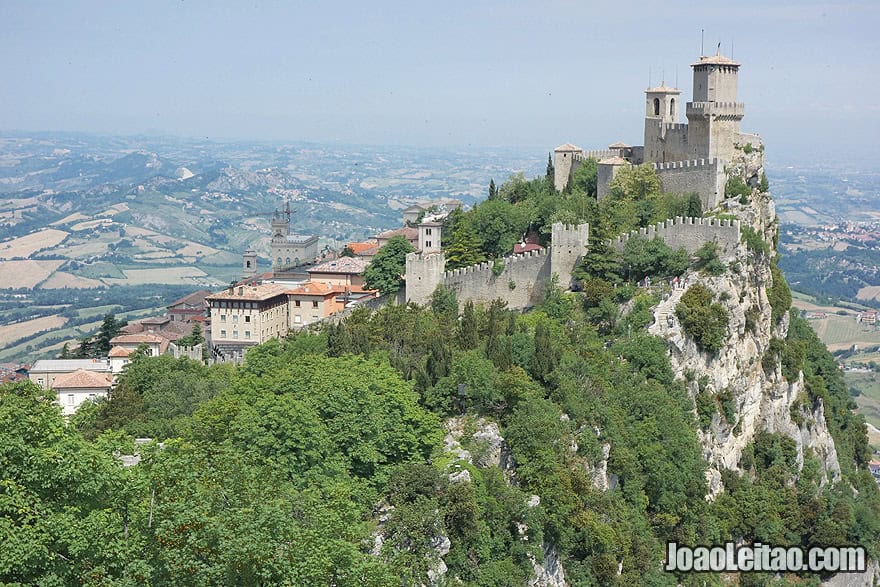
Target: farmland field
13, 332
25, 246
27, 273
61, 280
160, 275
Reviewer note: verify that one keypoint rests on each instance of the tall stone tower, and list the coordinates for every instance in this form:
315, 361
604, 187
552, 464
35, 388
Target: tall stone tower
429, 237
563, 164
714, 115
249, 264
568, 245
662, 105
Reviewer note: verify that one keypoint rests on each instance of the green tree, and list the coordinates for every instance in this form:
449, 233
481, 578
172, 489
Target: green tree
493, 191
585, 177
468, 328
385, 271
347, 251
465, 249
551, 173
109, 329
638, 182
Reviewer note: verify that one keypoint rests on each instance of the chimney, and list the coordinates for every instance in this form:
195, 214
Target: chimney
241, 291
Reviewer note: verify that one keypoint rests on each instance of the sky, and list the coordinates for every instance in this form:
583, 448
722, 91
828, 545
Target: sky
455, 73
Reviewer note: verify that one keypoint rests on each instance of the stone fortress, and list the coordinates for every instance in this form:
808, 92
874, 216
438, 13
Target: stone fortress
694, 157
688, 157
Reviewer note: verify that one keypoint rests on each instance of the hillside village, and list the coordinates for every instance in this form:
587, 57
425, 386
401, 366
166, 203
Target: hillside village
306, 287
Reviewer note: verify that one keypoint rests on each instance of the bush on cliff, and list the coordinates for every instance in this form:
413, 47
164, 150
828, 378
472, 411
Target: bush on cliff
702, 319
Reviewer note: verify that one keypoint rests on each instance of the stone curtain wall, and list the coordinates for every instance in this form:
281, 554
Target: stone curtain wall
521, 284
703, 176
690, 233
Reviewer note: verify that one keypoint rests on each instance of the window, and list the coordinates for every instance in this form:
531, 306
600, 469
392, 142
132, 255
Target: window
297, 319
656, 106
279, 262
92, 396
428, 231
247, 333
222, 334
247, 318
672, 107
235, 318
427, 244
314, 304
296, 303
235, 334
40, 381
69, 399
222, 317
314, 317
288, 261
247, 264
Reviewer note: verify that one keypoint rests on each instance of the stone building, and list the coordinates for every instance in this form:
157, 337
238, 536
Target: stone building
287, 250
246, 315
687, 156
73, 389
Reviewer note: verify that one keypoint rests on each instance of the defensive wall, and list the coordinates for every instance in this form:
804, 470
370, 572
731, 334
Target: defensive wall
703, 176
521, 284
690, 234
523, 279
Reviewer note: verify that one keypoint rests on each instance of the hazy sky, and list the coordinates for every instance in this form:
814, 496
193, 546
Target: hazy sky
531, 73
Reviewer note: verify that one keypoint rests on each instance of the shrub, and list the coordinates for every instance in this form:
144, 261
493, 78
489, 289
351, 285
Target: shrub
737, 188
779, 295
702, 319
497, 267
708, 260
748, 149
754, 241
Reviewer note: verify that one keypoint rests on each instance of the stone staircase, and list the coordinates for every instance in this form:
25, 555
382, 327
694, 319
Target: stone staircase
666, 310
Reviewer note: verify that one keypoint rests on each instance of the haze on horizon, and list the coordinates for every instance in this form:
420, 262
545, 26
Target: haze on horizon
525, 73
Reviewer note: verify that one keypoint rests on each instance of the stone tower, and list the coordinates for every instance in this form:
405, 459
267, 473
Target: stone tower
714, 115
568, 245
662, 105
424, 272
563, 164
249, 264
429, 237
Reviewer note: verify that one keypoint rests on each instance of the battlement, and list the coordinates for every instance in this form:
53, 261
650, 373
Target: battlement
674, 126
692, 163
597, 154
736, 109
487, 266
689, 233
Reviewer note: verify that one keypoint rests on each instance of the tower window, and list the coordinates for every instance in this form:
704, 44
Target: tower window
656, 106
672, 107
248, 264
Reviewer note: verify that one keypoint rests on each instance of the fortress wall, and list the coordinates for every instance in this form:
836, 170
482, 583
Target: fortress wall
690, 233
703, 176
597, 154
675, 142
528, 273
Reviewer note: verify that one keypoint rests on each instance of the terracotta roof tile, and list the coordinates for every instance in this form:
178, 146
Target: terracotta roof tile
81, 379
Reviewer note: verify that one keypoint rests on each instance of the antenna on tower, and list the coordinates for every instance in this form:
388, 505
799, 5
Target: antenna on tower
663, 76
702, 37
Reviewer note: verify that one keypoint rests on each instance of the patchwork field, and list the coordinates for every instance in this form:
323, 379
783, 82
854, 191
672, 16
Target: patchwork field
869, 292
27, 273
170, 275
25, 246
62, 280
13, 332
868, 383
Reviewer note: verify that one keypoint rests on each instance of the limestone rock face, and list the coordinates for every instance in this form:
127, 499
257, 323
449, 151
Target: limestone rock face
763, 400
549, 573
869, 578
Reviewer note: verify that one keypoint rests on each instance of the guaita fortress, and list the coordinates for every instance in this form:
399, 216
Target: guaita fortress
698, 156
